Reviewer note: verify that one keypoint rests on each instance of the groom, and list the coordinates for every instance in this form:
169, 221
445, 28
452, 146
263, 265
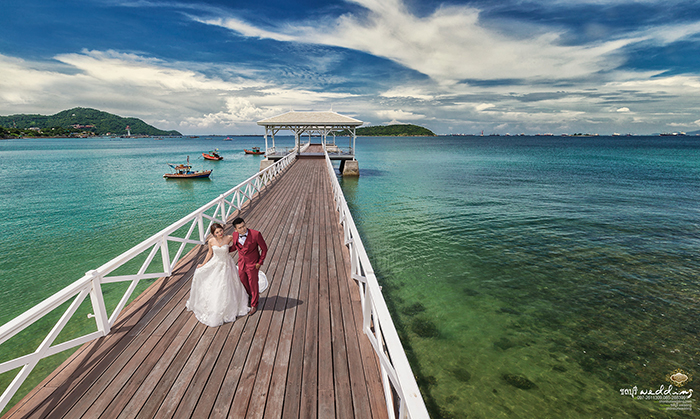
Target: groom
247, 241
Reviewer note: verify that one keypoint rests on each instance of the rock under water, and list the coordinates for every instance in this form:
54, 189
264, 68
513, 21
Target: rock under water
518, 381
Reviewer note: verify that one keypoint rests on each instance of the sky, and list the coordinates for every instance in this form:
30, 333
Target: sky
462, 67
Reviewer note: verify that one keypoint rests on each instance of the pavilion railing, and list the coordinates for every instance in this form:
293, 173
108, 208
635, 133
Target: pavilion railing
282, 151
334, 150
218, 210
397, 377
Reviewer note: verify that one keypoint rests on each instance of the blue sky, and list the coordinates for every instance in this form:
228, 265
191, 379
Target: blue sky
217, 67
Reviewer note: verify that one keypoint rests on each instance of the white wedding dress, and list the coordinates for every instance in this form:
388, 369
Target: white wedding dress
217, 295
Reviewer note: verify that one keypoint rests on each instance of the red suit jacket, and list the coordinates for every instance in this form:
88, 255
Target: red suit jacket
248, 254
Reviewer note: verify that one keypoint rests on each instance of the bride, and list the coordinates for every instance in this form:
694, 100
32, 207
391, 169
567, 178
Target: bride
217, 295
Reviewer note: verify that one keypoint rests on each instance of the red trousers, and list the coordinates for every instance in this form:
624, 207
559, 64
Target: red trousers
249, 278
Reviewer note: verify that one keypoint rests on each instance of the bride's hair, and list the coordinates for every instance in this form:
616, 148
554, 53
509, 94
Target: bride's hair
215, 227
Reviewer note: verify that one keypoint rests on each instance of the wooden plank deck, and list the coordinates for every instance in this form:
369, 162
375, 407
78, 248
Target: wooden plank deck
302, 355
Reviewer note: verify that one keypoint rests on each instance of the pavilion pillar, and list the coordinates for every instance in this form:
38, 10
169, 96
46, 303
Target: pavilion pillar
266, 140
354, 136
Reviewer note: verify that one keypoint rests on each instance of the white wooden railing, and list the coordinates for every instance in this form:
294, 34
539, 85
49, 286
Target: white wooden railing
217, 210
335, 150
286, 150
397, 377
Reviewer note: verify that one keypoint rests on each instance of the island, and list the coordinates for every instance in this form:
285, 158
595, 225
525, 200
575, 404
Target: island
394, 130
76, 122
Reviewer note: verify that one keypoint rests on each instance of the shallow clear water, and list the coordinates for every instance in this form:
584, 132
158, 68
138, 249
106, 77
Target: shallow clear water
567, 265
529, 277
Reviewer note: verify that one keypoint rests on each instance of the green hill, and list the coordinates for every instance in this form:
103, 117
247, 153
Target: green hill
406, 130
101, 123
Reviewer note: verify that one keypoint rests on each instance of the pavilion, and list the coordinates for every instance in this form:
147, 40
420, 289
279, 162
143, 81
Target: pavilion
319, 124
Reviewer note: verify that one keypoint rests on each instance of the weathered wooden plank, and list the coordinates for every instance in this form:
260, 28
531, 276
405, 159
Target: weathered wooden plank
122, 387
216, 378
370, 363
136, 401
193, 390
326, 390
290, 242
341, 375
159, 392
360, 397
275, 400
309, 384
264, 332
98, 354
292, 391
174, 397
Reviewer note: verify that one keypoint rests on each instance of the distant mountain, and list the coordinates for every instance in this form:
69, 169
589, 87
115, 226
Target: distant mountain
98, 122
405, 130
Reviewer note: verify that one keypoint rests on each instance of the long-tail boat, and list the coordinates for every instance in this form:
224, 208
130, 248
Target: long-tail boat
213, 155
255, 150
184, 171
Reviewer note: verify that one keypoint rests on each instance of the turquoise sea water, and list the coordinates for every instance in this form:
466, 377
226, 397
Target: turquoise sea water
529, 277
535, 277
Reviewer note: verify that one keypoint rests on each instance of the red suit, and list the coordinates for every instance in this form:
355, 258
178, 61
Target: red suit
248, 257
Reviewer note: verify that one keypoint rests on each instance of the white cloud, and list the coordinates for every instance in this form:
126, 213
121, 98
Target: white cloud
677, 84
243, 28
670, 33
21, 84
133, 70
449, 45
398, 115
483, 106
412, 91
150, 89
625, 109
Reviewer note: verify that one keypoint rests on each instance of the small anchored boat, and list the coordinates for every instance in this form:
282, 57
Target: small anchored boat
212, 155
184, 171
255, 150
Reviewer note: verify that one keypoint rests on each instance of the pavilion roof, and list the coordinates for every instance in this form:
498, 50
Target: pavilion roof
310, 118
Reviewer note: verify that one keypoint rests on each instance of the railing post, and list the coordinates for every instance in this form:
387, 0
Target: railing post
165, 256
200, 226
222, 207
98, 303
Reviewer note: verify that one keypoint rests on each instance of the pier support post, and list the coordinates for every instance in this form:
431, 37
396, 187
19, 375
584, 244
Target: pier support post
349, 168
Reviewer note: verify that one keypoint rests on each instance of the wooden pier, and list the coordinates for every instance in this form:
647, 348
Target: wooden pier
302, 355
